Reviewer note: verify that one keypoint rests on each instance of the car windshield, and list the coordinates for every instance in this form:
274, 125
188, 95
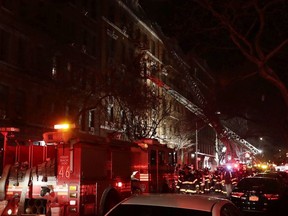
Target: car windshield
265, 184
141, 210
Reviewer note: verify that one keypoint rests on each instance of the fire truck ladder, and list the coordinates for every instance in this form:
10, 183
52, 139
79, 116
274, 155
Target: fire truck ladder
243, 142
190, 106
199, 113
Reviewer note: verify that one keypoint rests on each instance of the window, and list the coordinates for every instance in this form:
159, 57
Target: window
93, 9
70, 29
58, 19
91, 118
85, 5
164, 130
123, 23
39, 105
110, 51
39, 58
90, 81
123, 53
123, 117
110, 113
153, 48
23, 9
111, 13
4, 44
54, 68
85, 37
137, 34
171, 158
161, 157
4, 95
82, 122
7, 4
145, 43
94, 46
20, 104
22, 47
153, 157
72, 1
83, 78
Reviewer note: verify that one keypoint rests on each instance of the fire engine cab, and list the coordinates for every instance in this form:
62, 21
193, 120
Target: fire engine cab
75, 173
153, 167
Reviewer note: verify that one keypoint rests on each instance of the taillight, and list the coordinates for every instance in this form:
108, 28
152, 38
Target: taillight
237, 194
272, 196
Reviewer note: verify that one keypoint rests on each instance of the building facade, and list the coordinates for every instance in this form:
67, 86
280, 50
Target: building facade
100, 65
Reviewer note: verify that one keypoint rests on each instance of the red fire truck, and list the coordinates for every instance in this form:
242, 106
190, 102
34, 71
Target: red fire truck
81, 174
153, 167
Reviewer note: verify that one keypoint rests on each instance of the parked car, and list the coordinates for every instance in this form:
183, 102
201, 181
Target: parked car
260, 194
174, 204
282, 176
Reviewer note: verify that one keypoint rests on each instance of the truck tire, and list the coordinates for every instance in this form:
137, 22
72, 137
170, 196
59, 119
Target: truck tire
109, 199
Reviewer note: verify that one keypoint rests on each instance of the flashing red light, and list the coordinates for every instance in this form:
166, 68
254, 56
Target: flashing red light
119, 184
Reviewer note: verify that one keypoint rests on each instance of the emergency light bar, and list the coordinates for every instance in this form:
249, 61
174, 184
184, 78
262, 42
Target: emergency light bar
64, 126
9, 129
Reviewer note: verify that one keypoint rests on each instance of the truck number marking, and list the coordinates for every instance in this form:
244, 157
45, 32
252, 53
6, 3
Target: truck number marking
64, 171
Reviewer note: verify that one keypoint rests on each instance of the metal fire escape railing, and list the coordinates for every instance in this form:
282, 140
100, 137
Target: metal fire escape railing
199, 113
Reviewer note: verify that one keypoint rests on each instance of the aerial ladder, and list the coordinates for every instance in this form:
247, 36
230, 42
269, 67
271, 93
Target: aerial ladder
224, 133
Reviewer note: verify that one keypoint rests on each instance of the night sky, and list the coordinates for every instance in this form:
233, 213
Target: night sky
241, 92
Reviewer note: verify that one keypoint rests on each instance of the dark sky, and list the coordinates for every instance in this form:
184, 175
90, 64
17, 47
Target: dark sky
241, 92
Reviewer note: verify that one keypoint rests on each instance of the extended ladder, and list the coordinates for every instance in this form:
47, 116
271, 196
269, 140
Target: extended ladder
199, 113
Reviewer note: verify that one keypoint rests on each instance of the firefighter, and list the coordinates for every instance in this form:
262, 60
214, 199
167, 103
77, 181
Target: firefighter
217, 180
179, 173
207, 180
234, 179
165, 185
227, 180
200, 182
187, 181
193, 183
135, 182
